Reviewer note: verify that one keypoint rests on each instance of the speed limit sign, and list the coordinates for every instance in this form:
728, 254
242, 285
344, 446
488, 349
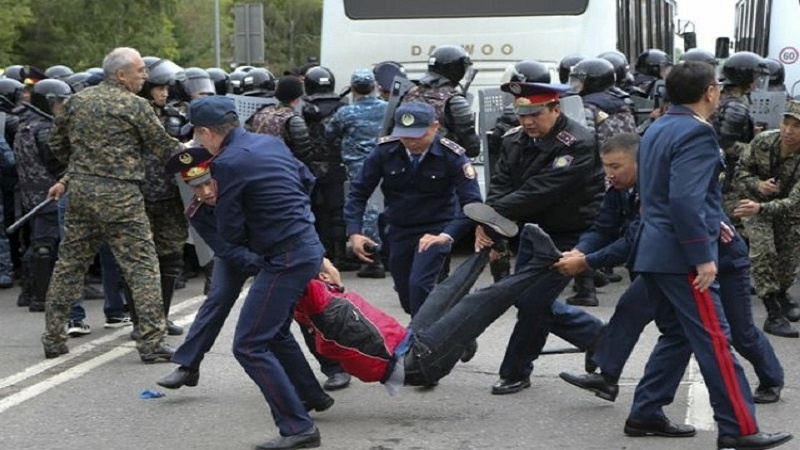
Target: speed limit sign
788, 55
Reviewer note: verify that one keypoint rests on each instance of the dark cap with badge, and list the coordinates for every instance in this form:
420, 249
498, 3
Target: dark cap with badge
531, 98
411, 120
212, 110
193, 163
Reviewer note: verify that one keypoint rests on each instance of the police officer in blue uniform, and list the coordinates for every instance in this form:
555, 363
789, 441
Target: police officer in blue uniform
263, 204
675, 253
425, 179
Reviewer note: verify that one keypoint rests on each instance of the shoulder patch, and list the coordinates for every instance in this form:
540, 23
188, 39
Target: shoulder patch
600, 117
455, 148
562, 162
386, 139
512, 130
194, 205
469, 171
566, 139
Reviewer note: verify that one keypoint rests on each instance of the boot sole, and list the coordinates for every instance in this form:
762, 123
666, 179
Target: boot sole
485, 215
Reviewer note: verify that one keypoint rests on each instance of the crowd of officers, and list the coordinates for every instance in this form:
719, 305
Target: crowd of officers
341, 144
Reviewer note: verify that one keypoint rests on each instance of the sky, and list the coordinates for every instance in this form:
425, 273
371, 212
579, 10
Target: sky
712, 19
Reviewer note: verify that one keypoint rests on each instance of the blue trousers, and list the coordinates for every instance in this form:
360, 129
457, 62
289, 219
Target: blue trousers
414, 273
692, 321
263, 343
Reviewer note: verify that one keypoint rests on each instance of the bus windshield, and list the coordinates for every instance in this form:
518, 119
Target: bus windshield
427, 9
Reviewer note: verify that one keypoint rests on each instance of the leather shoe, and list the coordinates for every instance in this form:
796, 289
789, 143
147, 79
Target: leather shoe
173, 329
182, 376
758, 441
486, 215
339, 380
469, 351
593, 382
310, 439
320, 404
767, 394
162, 353
663, 427
504, 386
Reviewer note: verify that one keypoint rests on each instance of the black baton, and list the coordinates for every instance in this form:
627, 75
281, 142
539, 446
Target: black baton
24, 219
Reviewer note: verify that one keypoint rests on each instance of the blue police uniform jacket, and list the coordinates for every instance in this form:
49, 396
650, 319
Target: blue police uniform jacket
262, 198
609, 241
680, 164
358, 126
430, 195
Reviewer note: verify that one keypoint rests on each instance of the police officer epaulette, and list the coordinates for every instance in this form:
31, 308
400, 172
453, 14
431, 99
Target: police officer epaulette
566, 138
455, 148
387, 139
512, 130
194, 205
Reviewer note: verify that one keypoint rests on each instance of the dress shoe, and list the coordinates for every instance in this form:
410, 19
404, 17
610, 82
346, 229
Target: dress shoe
55, 351
374, 270
310, 439
486, 215
766, 394
504, 386
610, 275
469, 351
339, 380
162, 353
593, 382
174, 330
663, 427
758, 441
182, 376
320, 404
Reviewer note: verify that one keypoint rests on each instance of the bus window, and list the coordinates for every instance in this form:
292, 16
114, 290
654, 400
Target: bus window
422, 9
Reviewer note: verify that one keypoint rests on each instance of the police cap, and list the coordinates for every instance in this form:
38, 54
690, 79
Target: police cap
411, 120
531, 98
193, 163
212, 110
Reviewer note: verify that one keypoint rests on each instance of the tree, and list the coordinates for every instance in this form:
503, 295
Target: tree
16, 13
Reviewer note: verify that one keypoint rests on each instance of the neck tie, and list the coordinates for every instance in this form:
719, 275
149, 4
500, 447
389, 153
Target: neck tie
415, 158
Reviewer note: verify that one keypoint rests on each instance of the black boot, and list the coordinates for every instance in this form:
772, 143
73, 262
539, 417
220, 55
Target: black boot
339, 257
776, 324
43, 261
585, 294
789, 306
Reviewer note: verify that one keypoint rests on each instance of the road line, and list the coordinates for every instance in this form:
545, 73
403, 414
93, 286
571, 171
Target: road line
698, 410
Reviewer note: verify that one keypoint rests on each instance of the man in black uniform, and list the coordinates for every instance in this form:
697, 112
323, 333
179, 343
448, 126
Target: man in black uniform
549, 173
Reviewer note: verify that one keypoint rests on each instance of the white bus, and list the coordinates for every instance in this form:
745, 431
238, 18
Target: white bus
360, 33
770, 28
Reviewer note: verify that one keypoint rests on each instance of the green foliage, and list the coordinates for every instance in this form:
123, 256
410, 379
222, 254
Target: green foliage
16, 13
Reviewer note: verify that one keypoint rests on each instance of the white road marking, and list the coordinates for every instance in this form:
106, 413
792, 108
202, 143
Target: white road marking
698, 410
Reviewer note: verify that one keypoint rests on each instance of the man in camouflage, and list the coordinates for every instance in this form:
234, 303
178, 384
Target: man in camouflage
102, 136
358, 126
767, 179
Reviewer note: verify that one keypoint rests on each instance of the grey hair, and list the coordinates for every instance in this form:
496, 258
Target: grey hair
117, 59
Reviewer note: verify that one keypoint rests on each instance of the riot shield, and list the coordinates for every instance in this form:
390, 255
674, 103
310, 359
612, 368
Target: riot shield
766, 109
490, 103
400, 86
572, 107
246, 106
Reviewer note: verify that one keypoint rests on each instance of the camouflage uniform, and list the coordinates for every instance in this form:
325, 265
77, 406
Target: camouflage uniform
773, 232
358, 126
102, 136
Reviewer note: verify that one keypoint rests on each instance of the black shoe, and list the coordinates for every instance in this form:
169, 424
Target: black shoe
180, 283
310, 439
469, 351
92, 293
583, 300
766, 394
504, 386
162, 353
36, 306
663, 427
593, 382
55, 352
321, 404
600, 279
610, 275
486, 215
777, 326
182, 376
758, 441
174, 330
375, 270
24, 299
337, 381
789, 307
346, 265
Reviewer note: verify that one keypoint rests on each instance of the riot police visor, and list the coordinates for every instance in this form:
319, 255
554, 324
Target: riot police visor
199, 86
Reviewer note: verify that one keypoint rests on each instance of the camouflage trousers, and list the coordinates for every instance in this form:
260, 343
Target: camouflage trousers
374, 204
105, 210
169, 226
774, 253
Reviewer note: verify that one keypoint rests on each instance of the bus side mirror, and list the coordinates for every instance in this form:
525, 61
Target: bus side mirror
689, 40
723, 48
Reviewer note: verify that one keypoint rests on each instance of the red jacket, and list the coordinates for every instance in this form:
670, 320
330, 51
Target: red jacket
349, 330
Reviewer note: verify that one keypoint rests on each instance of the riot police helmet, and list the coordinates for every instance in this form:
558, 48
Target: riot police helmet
566, 64
96, 71
592, 75
58, 72
449, 61
10, 91
653, 62
221, 79
259, 82
160, 72
319, 80
386, 71
527, 71
47, 93
81, 80
14, 72
191, 83
777, 73
698, 54
620, 62
744, 69
244, 68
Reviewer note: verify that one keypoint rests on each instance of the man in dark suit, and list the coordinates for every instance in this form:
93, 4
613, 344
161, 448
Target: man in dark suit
675, 252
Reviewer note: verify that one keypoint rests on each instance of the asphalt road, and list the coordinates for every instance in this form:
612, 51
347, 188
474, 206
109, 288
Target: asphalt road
90, 399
